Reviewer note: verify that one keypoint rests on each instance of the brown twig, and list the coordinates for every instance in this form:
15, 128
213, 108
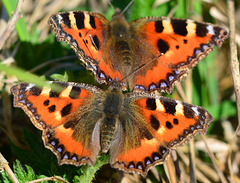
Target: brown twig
11, 23
188, 98
172, 173
220, 173
207, 170
229, 161
177, 167
234, 64
234, 61
192, 166
199, 174
55, 178
180, 91
4, 165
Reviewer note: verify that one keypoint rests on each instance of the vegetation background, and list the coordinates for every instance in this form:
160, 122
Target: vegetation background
32, 47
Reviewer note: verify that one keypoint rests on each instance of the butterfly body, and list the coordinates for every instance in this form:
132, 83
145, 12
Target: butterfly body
137, 129
112, 107
120, 38
147, 54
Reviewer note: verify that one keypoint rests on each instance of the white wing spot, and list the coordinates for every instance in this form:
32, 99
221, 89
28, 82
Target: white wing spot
195, 109
102, 76
59, 18
30, 86
210, 29
94, 67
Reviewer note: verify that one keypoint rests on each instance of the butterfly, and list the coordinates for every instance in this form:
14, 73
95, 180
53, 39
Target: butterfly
147, 54
138, 129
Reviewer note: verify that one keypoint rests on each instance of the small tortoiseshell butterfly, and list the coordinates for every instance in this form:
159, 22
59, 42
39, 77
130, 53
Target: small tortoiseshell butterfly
138, 129
149, 54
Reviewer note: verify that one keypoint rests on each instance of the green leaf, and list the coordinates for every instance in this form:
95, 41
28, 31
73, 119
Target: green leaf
22, 75
181, 11
88, 172
60, 77
22, 173
225, 110
28, 77
4, 177
44, 162
197, 7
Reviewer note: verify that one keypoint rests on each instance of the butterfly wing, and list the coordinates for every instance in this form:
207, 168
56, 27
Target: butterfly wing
150, 127
150, 53
65, 118
169, 48
134, 148
88, 34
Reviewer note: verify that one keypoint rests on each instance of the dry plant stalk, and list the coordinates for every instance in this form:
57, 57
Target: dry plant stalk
55, 178
211, 155
11, 24
234, 61
4, 165
234, 64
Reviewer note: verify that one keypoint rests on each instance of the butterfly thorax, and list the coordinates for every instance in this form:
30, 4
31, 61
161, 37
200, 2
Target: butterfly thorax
120, 32
113, 102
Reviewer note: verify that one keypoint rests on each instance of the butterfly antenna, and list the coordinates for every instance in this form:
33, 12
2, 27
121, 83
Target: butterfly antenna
109, 2
125, 9
142, 66
100, 55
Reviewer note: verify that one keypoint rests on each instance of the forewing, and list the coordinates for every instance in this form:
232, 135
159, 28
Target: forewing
88, 34
59, 115
169, 48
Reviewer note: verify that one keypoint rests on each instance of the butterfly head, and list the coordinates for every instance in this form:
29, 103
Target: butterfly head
117, 13
119, 25
115, 85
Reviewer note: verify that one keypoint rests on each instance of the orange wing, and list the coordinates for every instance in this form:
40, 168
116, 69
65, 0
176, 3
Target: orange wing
140, 129
150, 53
170, 47
151, 127
88, 34
55, 114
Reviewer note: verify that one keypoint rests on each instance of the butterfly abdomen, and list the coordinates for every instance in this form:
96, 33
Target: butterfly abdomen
107, 133
122, 48
111, 108
121, 36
